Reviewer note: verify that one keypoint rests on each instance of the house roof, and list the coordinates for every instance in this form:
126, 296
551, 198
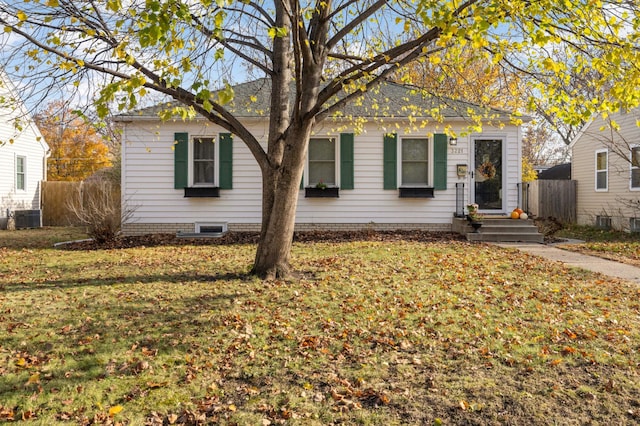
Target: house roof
388, 100
561, 171
12, 107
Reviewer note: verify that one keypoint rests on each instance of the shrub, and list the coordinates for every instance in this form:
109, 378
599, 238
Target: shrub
97, 206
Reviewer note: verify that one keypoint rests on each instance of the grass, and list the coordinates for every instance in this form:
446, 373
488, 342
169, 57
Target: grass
370, 333
609, 244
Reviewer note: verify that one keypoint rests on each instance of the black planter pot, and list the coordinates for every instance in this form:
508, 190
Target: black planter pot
328, 192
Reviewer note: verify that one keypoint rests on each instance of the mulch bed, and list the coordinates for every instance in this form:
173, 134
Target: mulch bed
153, 240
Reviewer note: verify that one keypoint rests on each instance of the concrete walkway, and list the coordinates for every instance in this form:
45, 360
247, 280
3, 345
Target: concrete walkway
590, 263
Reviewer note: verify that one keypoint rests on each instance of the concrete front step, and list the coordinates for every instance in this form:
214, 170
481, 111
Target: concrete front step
500, 230
524, 228
505, 237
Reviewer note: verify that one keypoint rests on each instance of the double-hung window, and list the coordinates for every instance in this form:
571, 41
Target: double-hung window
414, 163
203, 164
21, 173
635, 167
330, 166
415, 166
204, 159
322, 162
602, 170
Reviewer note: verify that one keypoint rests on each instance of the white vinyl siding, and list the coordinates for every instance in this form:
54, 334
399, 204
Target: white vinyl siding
414, 162
148, 180
28, 145
321, 162
602, 170
589, 201
634, 183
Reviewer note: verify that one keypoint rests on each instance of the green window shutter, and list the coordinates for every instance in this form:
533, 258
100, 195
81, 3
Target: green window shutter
390, 160
181, 160
440, 161
302, 182
226, 161
346, 161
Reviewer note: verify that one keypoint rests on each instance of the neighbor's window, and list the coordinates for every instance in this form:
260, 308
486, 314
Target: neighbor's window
203, 161
635, 167
602, 170
322, 161
415, 162
21, 165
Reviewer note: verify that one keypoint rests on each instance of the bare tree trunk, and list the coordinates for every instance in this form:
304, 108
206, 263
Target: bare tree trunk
280, 187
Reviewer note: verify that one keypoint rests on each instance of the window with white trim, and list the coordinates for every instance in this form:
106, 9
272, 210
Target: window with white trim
414, 162
322, 160
21, 173
204, 161
635, 167
602, 170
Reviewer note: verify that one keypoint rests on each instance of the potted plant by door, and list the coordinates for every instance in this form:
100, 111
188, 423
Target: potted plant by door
474, 217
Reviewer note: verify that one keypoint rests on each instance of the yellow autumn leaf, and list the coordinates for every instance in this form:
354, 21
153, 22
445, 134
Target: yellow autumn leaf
115, 410
34, 378
21, 16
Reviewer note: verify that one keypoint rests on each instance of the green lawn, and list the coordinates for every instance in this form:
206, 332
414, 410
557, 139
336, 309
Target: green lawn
370, 332
615, 245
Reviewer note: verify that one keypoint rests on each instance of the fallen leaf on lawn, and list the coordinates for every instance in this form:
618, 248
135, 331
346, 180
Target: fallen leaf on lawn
6, 413
28, 415
149, 352
114, 410
34, 378
156, 385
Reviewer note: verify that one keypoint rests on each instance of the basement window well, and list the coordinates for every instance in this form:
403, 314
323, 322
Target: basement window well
211, 227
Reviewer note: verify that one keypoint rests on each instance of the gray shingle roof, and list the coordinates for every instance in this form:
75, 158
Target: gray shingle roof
389, 100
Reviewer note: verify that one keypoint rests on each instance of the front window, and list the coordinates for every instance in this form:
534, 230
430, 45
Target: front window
21, 164
635, 167
203, 161
415, 162
322, 162
602, 171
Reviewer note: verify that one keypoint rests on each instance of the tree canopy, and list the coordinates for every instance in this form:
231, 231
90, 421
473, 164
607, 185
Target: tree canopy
77, 150
332, 51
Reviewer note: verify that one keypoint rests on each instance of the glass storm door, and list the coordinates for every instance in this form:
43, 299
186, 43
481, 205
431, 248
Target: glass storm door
487, 174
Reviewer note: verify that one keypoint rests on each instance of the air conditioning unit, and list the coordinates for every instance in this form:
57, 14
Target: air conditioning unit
27, 219
603, 222
634, 224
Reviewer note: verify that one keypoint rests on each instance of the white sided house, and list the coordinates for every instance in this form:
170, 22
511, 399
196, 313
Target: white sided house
23, 157
606, 164
390, 173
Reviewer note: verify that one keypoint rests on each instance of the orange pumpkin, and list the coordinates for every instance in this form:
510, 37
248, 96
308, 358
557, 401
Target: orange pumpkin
515, 215
519, 210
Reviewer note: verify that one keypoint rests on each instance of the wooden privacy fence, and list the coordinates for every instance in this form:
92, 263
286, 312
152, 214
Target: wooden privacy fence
58, 196
553, 198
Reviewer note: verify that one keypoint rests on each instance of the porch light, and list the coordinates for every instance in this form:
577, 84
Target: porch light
453, 141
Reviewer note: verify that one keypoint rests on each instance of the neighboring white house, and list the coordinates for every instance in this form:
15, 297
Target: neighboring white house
606, 164
191, 176
23, 155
